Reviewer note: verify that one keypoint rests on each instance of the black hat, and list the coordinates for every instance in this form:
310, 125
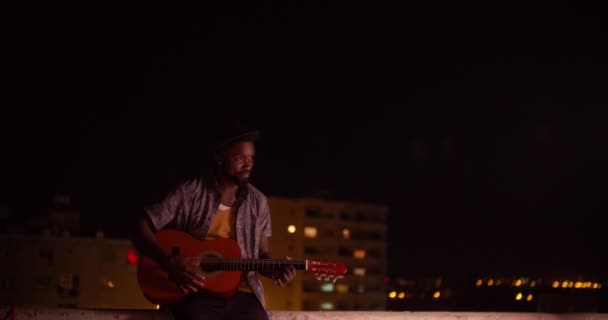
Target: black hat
234, 131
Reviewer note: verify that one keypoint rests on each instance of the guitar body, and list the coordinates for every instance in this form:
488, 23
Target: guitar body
158, 288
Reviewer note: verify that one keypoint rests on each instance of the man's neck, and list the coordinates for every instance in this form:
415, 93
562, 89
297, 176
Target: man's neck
228, 189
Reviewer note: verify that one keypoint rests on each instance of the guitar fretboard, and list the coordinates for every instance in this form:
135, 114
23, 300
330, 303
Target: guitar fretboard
250, 264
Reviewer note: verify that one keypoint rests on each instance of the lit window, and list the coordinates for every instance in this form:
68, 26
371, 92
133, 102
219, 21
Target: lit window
392, 294
578, 284
359, 254
533, 284
595, 286
565, 284
529, 297
345, 233
479, 283
517, 283
327, 287
518, 296
436, 295
327, 306
109, 284
490, 282
555, 284
359, 272
342, 288
401, 295
570, 284
291, 228
310, 232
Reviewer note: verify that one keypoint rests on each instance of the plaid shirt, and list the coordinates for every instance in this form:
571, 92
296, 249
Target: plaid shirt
192, 206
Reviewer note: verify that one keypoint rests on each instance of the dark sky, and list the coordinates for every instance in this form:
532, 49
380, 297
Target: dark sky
481, 127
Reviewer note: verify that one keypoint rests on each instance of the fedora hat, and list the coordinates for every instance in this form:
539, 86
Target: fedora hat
234, 131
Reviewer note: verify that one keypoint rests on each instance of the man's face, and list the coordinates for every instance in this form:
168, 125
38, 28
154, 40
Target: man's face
237, 161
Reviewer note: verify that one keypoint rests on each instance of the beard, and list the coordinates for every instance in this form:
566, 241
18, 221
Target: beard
240, 179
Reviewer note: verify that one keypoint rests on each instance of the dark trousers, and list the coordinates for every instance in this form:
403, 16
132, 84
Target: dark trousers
242, 306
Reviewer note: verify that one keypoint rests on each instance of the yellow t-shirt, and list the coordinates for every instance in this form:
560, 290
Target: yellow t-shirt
223, 226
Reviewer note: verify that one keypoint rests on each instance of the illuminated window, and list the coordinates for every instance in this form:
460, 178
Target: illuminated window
436, 295
565, 284
345, 233
291, 228
327, 306
595, 286
310, 232
533, 284
342, 288
359, 272
518, 296
578, 284
490, 282
517, 282
392, 294
479, 283
529, 297
401, 295
570, 284
359, 254
555, 284
327, 287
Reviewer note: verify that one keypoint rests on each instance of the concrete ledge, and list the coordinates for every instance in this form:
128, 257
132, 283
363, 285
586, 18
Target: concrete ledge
33, 313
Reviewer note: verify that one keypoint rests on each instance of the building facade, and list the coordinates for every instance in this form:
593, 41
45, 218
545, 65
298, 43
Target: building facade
352, 233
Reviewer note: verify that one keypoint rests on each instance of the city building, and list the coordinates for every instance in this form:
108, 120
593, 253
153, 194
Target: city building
348, 232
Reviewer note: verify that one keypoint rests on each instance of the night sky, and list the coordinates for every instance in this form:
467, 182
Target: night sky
482, 128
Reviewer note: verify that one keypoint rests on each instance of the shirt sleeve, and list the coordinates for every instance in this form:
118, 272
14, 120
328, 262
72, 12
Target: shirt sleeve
265, 221
174, 205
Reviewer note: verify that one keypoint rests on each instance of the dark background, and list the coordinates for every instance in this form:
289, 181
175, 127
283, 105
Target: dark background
481, 127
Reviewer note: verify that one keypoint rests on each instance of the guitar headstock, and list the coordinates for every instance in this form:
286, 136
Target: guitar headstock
327, 270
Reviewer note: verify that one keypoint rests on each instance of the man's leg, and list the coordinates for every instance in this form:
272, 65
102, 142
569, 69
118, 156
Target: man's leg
199, 307
246, 306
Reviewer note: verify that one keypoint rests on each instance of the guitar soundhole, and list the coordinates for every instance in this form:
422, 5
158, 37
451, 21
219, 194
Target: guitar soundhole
208, 264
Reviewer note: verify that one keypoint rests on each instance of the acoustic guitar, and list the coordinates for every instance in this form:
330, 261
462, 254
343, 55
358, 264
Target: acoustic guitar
219, 260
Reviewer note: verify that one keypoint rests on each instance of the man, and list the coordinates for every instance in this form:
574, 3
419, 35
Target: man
220, 204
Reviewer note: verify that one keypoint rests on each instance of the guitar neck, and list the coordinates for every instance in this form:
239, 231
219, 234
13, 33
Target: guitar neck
250, 264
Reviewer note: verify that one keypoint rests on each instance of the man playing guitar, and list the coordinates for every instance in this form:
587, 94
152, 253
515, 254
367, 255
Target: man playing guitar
219, 205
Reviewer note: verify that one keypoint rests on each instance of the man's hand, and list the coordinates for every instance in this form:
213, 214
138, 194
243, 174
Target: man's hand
188, 279
285, 276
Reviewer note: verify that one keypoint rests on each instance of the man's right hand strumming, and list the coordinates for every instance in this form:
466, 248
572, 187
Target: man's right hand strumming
187, 279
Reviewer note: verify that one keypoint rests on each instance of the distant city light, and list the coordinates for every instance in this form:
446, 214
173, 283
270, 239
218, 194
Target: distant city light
555, 284
529, 297
392, 294
479, 283
359, 254
517, 283
578, 284
401, 295
310, 232
345, 233
570, 284
436, 295
327, 287
490, 282
327, 305
291, 228
110, 284
565, 284
518, 296
533, 284
342, 288
359, 272
595, 286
